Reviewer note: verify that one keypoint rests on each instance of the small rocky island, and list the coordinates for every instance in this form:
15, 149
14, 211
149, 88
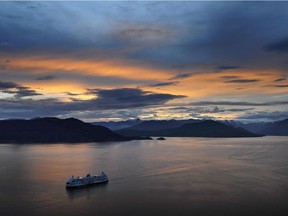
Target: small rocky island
161, 138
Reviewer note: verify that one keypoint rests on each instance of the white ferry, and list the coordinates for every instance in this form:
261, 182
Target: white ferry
75, 182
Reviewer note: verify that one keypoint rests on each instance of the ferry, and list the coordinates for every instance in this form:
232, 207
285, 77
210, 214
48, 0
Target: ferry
76, 182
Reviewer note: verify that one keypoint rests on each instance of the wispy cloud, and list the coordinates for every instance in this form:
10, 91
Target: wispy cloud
181, 76
226, 67
264, 115
164, 84
280, 79
242, 81
281, 86
47, 77
239, 103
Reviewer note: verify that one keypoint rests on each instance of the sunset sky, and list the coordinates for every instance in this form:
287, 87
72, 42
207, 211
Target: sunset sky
103, 61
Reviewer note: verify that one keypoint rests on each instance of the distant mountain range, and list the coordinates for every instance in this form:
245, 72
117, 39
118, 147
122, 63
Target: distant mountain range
117, 125
207, 128
150, 125
54, 130
278, 128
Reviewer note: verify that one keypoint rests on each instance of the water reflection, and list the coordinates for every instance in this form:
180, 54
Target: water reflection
87, 192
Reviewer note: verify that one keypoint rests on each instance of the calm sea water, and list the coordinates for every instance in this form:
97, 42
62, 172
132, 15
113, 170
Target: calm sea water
179, 176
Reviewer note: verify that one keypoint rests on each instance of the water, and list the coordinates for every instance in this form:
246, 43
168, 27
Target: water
179, 176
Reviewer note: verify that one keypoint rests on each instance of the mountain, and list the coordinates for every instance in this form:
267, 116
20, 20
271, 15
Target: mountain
278, 128
207, 128
254, 127
54, 130
114, 125
153, 125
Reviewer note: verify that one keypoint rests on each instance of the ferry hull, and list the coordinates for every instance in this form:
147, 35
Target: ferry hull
86, 185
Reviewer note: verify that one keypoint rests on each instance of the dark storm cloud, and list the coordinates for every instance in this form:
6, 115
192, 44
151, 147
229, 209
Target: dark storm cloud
128, 98
163, 84
48, 77
279, 46
112, 99
8, 85
22, 91
242, 81
238, 103
17, 90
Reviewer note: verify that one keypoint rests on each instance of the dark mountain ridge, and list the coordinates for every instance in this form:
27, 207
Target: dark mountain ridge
207, 128
278, 128
153, 125
54, 130
117, 125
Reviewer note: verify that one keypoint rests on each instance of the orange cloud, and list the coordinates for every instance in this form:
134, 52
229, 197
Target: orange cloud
103, 68
241, 83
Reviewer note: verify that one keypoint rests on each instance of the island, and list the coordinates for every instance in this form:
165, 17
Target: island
55, 130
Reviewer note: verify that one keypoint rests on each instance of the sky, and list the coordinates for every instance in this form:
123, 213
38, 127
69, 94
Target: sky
113, 61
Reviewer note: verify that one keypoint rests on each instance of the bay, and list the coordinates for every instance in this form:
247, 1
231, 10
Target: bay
184, 176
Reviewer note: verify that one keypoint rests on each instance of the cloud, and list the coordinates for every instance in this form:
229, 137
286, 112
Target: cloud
128, 98
4, 64
7, 85
4, 44
226, 67
21, 91
72, 94
239, 109
264, 115
181, 76
163, 84
17, 90
229, 77
280, 79
242, 81
111, 99
141, 33
48, 77
238, 103
281, 86
3, 67
211, 109
279, 46
127, 45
